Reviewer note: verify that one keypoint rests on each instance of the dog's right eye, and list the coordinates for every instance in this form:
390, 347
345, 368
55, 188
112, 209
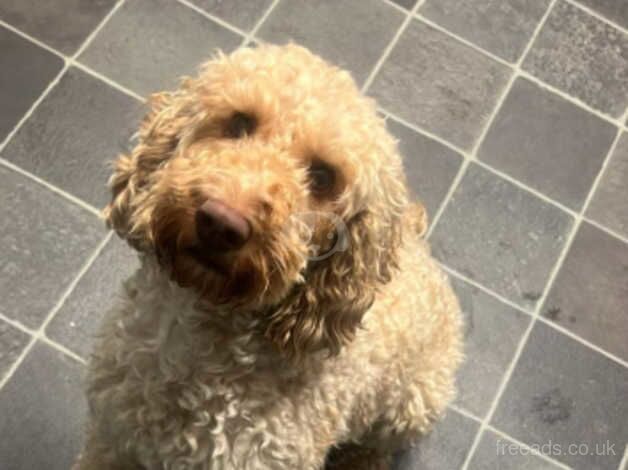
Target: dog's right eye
240, 125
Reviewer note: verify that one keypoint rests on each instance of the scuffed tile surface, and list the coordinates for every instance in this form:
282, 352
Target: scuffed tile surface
500, 236
77, 322
74, 135
149, 44
439, 84
492, 333
590, 294
62, 24
350, 33
430, 166
241, 13
548, 143
27, 70
567, 393
12, 343
609, 205
502, 27
42, 408
614, 10
583, 56
42, 249
445, 447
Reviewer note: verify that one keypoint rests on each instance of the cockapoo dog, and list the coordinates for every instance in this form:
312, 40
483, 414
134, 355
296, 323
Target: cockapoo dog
286, 312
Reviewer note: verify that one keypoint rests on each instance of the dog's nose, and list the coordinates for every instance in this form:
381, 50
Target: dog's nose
220, 227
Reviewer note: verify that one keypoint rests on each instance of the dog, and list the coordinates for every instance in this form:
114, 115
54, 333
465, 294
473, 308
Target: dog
287, 313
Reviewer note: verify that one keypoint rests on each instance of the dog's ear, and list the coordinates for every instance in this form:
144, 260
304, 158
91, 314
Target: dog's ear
158, 137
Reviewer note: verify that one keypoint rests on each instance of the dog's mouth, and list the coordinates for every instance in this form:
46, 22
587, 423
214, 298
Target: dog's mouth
210, 261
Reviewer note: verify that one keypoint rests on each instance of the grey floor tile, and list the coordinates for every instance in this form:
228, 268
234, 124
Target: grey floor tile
583, 56
430, 166
349, 33
614, 10
502, 27
12, 343
548, 143
42, 409
407, 4
497, 453
74, 135
445, 447
62, 24
26, 71
501, 236
609, 205
241, 13
563, 392
439, 84
149, 44
42, 248
590, 294
492, 333
77, 321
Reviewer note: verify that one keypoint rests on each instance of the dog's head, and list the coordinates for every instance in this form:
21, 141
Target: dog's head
267, 183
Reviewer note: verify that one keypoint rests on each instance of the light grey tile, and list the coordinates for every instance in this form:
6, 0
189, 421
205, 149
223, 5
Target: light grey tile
62, 24
241, 13
149, 44
590, 293
439, 84
407, 4
42, 409
349, 33
42, 248
430, 166
548, 143
77, 322
492, 333
563, 392
583, 56
12, 343
502, 27
614, 10
609, 205
500, 236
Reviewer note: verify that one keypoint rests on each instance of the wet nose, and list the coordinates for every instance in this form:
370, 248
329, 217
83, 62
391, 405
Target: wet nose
220, 227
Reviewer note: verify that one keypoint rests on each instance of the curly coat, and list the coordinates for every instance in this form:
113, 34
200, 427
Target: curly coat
273, 359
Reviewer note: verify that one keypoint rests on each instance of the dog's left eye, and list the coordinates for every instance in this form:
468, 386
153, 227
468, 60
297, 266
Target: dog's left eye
322, 178
240, 125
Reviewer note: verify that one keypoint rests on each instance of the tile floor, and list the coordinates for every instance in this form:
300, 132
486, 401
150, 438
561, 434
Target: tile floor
511, 115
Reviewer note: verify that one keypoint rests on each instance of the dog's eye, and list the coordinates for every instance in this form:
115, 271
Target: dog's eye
240, 125
322, 178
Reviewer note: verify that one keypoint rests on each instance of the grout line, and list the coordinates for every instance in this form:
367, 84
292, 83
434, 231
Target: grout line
606, 230
31, 39
213, 18
251, 36
39, 333
623, 465
393, 42
395, 6
61, 348
51, 187
465, 413
106, 80
595, 14
88, 40
450, 192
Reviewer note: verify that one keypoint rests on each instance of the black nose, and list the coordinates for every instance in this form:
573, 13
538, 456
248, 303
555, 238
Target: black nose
220, 227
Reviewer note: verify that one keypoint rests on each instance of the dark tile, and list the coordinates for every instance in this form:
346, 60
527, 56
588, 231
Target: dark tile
149, 44
445, 447
350, 33
500, 236
502, 27
74, 134
563, 392
430, 166
609, 205
12, 343
26, 71
42, 409
590, 294
497, 453
78, 320
42, 248
241, 13
432, 80
492, 333
548, 143
614, 10
583, 56
62, 24
407, 4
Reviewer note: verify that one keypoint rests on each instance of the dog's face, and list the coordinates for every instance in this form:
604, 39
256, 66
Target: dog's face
268, 182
